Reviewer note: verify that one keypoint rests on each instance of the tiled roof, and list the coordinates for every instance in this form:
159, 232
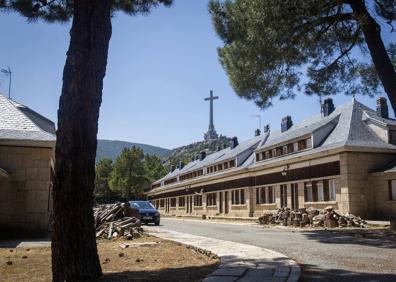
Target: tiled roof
18, 122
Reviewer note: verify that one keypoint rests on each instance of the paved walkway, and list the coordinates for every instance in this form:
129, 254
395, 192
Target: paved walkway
239, 262
340, 255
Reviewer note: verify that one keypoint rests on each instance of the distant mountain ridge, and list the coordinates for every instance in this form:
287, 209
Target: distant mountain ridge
112, 148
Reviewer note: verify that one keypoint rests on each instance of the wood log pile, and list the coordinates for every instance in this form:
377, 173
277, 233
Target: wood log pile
117, 220
312, 217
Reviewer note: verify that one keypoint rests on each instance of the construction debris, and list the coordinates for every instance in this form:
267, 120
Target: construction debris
117, 220
312, 217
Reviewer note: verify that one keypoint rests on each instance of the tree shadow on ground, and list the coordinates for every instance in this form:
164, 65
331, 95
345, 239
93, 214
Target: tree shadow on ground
183, 274
381, 238
28, 243
314, 273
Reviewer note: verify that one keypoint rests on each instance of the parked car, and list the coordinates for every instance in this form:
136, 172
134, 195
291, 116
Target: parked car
147, 211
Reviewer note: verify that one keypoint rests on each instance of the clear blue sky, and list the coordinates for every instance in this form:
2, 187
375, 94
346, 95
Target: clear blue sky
160, 69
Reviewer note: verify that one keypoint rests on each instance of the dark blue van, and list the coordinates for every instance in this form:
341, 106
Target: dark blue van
147, 211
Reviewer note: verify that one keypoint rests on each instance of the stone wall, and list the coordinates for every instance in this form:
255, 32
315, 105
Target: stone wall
385, 208
357, 196
25, 196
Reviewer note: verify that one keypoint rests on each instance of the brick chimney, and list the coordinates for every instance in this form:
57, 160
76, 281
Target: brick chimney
382, 108
286, 123
173, 167
234, 142
257, 132
328, 107
181, 165
202, 155
266, 128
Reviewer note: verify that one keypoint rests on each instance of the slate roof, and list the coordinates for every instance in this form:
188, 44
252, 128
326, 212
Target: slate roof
19, 123
389, 167
350, 130
347, 126
216, 157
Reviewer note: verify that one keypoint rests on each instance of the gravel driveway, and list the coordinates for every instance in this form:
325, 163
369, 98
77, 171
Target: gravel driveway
339, 255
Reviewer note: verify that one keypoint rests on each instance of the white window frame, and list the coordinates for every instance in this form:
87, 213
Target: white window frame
320, 189
309, 191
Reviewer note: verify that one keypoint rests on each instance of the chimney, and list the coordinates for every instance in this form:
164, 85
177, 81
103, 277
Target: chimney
181, 165
197, 157
218, 148
257, 132
382, 108
225, 146
266, 128
193, 158
234, 142
202, 155
286, 123
328, 107
173, 167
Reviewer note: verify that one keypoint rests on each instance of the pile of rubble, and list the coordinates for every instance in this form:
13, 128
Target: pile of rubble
327, 217
117, 220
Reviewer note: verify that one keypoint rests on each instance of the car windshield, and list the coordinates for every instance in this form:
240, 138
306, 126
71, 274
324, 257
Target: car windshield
143, 205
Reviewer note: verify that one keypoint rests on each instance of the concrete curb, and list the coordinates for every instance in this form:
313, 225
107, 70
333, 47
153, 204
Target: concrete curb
238, 262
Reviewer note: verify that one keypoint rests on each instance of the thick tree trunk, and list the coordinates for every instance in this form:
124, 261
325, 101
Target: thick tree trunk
74, 251
379, 55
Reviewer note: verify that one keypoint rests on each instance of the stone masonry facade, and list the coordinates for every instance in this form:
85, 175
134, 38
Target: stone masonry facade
25, 195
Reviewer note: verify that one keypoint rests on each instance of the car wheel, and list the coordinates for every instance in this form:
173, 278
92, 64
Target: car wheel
157, 223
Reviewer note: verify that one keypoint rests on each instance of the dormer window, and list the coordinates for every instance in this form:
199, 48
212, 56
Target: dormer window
302, 145
290, 148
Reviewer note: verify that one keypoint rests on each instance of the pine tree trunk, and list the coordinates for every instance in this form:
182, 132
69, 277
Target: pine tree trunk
74, 251
372, 34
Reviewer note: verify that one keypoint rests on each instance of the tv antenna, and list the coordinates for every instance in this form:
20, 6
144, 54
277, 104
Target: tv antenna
259, 120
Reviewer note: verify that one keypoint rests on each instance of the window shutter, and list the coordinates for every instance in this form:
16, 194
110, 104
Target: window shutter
326, 190
314, 191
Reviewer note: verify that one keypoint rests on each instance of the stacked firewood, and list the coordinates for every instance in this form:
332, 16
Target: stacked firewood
117, 220
327, 217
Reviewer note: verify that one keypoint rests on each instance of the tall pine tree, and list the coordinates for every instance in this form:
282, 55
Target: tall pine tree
269, 44
74, 251
128, 178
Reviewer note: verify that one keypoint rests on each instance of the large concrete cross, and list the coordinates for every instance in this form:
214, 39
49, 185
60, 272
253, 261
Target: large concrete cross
210, 99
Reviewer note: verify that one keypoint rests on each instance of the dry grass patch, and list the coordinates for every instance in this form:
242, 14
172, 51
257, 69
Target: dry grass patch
146, 259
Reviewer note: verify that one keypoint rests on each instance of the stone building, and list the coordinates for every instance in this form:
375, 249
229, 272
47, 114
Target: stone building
343, 157
27, 142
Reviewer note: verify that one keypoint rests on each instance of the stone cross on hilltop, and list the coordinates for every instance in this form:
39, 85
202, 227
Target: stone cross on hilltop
211, 134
